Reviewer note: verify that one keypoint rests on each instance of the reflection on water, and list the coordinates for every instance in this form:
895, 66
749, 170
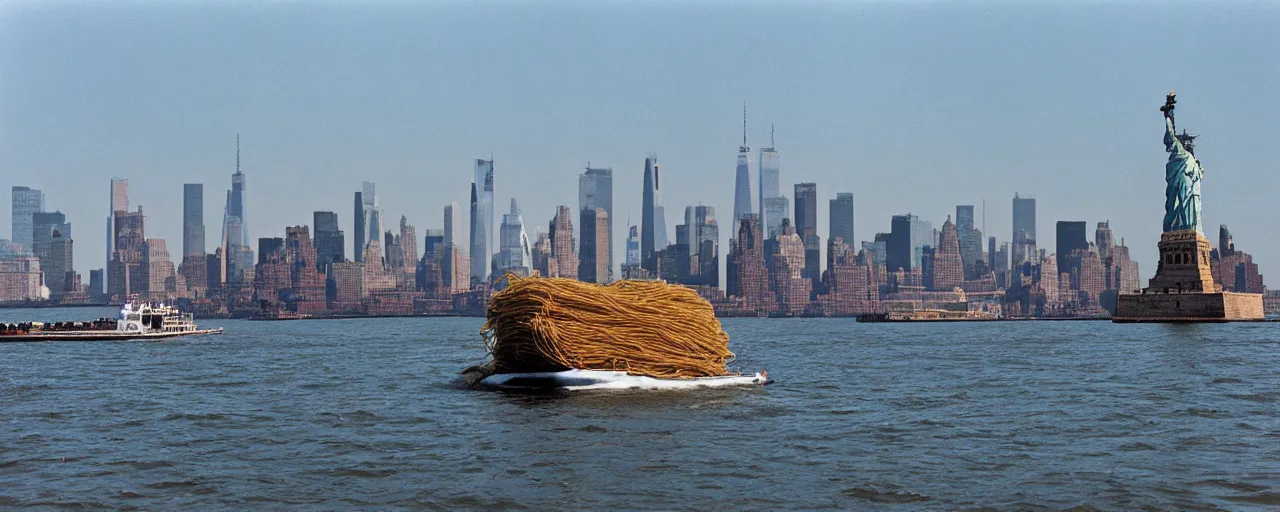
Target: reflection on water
363, 414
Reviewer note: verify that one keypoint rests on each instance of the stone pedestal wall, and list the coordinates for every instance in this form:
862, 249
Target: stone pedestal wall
1183, 289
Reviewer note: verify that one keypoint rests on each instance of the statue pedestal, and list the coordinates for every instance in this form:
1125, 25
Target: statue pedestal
1183, 289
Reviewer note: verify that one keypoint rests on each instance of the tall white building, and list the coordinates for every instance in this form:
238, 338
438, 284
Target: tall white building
516, 251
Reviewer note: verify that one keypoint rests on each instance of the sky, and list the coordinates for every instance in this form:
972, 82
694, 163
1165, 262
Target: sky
913, 107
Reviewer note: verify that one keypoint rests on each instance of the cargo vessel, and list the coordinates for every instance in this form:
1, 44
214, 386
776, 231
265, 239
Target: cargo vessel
136, 321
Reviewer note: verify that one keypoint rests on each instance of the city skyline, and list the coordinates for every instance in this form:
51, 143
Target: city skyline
847, 133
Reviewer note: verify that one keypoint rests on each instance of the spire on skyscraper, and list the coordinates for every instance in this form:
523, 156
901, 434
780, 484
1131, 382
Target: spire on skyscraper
744, 148
237, 153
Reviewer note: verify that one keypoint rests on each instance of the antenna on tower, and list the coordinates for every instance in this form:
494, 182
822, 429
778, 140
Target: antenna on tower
744, 147
771, 135
237, 153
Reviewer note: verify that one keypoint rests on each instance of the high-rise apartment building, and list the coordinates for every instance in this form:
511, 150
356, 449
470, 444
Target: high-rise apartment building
482, 234
26, 202
595, 190
593, 264
371, 210
193, 242
1024, 227
841, 216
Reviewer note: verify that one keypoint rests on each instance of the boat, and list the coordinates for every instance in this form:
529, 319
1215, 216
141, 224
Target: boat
581, 380
136, 321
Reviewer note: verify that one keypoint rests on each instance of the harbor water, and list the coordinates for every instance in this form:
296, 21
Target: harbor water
361, 414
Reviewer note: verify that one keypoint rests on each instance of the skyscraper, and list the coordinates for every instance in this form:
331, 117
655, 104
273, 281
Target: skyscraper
595, 190
1024, 227
898, 253
745, 272
193, 220
970, 240
704, 239
237, 202
1072, 236
119, 202
593, 264
515, 251
235, 230
841, 213
329, 240
452, 225
562, 242
360, 238
948, 265
482, 221
653, 222
50, 238
372, 211
769, 190
26, 201
807, 228
742, 180
633, 247
1104, 240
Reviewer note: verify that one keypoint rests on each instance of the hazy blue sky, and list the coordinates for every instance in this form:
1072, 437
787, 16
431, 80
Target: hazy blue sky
912, 107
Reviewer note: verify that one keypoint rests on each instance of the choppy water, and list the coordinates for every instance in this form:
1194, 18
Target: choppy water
360, 414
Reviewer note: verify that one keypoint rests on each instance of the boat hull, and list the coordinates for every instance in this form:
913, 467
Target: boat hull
102, 335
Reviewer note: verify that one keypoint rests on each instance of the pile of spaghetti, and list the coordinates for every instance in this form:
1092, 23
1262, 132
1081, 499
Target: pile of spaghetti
645, 328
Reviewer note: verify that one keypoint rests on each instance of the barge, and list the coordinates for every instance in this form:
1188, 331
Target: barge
136, 321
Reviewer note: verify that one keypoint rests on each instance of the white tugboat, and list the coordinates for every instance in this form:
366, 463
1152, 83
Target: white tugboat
137, 321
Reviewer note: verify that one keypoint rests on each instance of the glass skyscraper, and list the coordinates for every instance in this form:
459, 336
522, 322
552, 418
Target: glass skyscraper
26, 202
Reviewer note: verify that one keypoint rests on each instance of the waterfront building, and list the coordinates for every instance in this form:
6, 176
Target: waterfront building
786, 274
328, 239
595, 190
847, 282
21, 279
593, 264
564, 260
345, 286
482, 218
653, 222
1024, 228
746, 276
898, 249
26, 203
840, 213
306, 292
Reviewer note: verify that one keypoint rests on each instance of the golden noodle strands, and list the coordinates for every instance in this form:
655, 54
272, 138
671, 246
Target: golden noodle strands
646, 328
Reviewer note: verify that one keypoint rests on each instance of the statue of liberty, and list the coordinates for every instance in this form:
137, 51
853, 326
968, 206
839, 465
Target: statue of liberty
1182, 175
